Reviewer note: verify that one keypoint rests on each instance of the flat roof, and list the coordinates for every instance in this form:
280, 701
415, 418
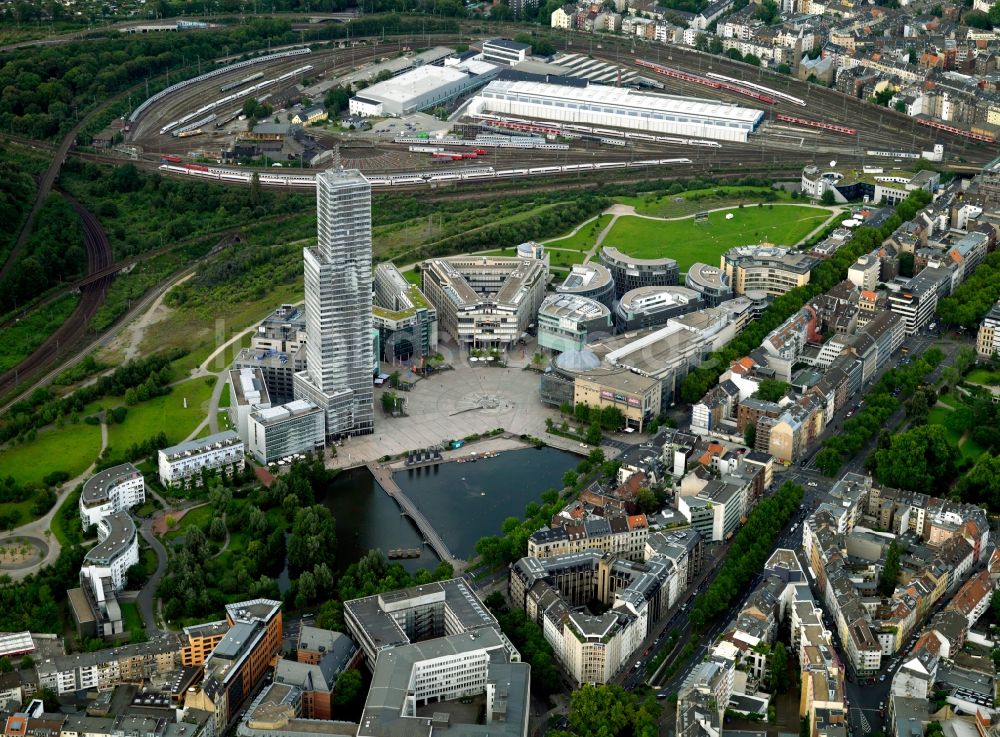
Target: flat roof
121, 534
573, 307
248, 386
657, 297
413, 84
630, 100
585, 278
273, 415
96, 489
612, 253
219, 439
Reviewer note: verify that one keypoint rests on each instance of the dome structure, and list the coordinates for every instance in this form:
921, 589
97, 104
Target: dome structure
577, 361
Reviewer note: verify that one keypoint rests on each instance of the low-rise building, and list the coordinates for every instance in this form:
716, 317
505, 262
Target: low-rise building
186, 462
405, 320
710, 282
648, 307
591, 280
112, 490
247, 393
988, 337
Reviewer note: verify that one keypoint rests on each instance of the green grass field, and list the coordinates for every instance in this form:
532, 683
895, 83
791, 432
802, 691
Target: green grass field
983, 376
22, 338
696, 200
564, 259
130, 613
198, 517
166, 413
71, 448
689, 243
582, 240
969, 449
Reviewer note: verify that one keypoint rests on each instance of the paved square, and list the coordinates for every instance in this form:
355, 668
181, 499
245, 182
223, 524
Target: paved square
449, 405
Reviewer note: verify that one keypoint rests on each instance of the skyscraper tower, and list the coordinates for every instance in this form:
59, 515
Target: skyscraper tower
338, 291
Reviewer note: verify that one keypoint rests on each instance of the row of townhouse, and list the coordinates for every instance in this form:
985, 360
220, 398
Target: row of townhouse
939, 542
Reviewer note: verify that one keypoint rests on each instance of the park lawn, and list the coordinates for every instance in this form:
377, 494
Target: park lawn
564, 259
131, 616
951, 400
226, 398
197, 517
71, 448
583, 239
983, 376
22, 338
687, 243
687, 203
166, 413
969, 448
413, 276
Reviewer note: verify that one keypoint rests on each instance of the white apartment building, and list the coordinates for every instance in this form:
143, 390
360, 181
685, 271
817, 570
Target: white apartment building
112, 490
864, 272
184, 463
278, 432
116, 551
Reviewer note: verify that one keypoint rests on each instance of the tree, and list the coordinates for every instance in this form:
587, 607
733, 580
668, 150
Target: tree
217, 529
779, 668
569, 478
917, 408
646, 501
313, 538
26, 662
715, 45
347, 693
599, 711
890, 572
771, 390
5, 665
594, 434
596, 457
750, 435
389, 402
922, 459
828, 198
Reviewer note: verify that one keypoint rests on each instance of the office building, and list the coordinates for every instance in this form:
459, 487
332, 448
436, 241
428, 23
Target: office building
988, 337
864, 272
591, 280
648, 307
485, 301
247, 393
405, 320
238, 662
567, 322
771, 269
631, 273
112, 490
504, 51
185, 463
338, 287
619, 107
279, 432
710, 282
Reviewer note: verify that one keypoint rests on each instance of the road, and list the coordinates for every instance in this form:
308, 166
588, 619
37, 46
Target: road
147, 596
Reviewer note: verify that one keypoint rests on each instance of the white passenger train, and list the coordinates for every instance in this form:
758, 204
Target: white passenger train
410, 178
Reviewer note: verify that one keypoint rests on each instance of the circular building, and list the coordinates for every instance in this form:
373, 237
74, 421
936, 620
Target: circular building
566, 320
710, 282
647, 307
631, 273
590, 280
558, 381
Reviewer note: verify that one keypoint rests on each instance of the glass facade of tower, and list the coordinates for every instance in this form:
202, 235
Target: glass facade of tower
338, 305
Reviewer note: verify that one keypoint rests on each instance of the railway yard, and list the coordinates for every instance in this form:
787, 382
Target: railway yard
182, 131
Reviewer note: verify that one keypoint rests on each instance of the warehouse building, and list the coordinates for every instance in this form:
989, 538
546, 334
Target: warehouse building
505, 51
278, 432
485, 301
620, 108
648, 307
566, 322
631, 273
590, 280
422, 88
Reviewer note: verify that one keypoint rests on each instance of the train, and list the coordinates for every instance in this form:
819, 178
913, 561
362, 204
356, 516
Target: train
894, 154
716, 84
542, 144
241, 82
411, 178
170, 159
192, 126
134, 116
234, 97
817, 124
426, 149
760, 88
226, 120
612, 141
956, 131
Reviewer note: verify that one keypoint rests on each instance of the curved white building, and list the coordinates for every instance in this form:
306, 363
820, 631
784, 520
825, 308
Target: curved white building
113, 490
116, 551
710, 282
648, 307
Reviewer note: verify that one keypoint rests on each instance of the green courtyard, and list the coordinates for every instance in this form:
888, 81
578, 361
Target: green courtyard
688, 242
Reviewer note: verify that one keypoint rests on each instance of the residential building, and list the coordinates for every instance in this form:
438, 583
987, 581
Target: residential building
112, 490
864, 272
338, 279
988, 337
485, 301
280, 432
716, 510
185, 463
102, 670
94, 605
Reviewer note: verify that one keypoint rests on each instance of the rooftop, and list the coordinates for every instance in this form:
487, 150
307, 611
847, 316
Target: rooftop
96, 489
120, 535
202, 445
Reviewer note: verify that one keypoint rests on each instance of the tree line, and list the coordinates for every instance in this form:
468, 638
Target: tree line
974, 297
750, 549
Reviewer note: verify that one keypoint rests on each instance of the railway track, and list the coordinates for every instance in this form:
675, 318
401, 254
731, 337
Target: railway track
68, 335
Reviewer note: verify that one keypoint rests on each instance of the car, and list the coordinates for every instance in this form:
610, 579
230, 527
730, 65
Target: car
813, 484
881, 677
661, 695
